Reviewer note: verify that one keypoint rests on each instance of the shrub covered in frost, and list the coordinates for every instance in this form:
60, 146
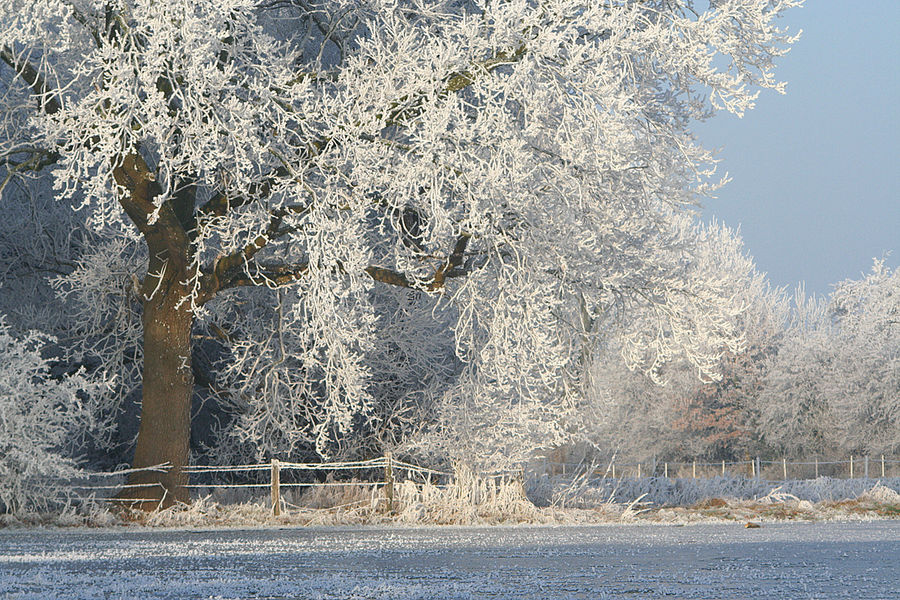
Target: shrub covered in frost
41, 417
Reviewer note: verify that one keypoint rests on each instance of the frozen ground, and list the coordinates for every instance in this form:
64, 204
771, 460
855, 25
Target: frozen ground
783, 560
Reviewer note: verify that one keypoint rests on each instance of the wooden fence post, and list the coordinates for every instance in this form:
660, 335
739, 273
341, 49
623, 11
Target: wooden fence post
389, 481
784, 468
866, 467
758, 468
723, 468
613, 470
882, 466
851, 466
639, 471
666, 470
276, 488
694, 469
817, 467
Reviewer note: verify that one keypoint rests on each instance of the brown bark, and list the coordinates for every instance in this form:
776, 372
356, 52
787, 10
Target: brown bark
167, 385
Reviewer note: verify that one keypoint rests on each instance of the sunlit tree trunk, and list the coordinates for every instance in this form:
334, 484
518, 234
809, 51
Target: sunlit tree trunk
167, 385
164, 432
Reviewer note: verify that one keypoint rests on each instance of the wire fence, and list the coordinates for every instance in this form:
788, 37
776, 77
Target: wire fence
380, 474
774, 469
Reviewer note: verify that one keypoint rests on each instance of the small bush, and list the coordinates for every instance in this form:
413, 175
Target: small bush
39, 419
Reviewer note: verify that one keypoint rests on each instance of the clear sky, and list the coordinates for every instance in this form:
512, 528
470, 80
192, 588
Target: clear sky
816, 175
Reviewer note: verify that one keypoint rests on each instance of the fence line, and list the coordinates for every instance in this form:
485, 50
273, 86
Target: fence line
871, 467
160, 468
275, 467
389, 466
410, 467
225, 468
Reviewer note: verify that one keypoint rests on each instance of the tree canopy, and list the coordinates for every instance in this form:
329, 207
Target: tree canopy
381, 212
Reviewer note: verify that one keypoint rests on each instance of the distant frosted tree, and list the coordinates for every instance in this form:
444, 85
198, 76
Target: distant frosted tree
718, 419
835, 383
688, 416
41, 420
525, 166
794, 406
866, 372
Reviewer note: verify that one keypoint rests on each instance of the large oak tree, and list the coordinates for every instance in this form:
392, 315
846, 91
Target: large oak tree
525, 168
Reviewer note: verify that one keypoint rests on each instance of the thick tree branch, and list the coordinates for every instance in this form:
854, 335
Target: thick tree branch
450, 268
389, 276
235, 275
229, 268
37, 160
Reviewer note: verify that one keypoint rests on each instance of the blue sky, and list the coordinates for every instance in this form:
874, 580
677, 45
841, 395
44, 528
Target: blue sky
816, 177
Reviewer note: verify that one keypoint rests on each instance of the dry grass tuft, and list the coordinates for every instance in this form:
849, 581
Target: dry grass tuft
336, 496
89, 514
467, 499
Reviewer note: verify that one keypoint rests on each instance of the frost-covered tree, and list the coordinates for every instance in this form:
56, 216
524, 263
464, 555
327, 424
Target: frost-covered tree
689, 417
834, 386
793, 407
42, 418
525, 166
717, 419
866, 373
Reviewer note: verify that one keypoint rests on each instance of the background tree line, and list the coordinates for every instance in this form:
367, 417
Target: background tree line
818, 377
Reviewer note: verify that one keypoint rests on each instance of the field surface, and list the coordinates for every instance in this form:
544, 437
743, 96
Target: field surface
781, 560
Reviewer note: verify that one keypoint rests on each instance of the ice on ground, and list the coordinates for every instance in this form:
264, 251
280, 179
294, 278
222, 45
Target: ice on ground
784, 560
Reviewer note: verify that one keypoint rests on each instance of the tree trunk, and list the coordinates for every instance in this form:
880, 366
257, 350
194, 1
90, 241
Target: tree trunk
167, 384
164, 434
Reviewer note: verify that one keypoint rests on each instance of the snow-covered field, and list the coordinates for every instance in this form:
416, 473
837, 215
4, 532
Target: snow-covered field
783, 560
